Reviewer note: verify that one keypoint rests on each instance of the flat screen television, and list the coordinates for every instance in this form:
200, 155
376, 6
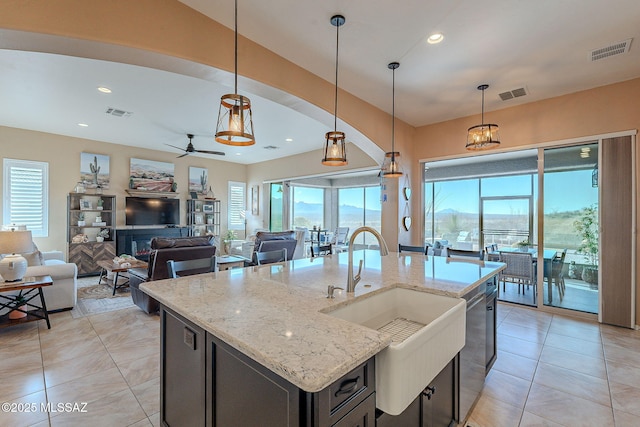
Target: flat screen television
152, 211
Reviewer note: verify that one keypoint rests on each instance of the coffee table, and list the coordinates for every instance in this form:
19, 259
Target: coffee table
30, 288
227, 262
112, 267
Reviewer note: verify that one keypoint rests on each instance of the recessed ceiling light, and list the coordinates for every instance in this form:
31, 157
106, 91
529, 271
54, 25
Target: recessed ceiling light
289, 139
84, 125
435, 38
104, 89
238, 154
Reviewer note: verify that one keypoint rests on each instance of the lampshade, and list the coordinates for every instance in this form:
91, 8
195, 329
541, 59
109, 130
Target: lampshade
12, 242
14, 266
235, 120
335, 152
390, 166
483, 136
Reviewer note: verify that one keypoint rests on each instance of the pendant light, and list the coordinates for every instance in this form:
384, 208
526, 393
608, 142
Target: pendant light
235, 122
483, 136
390, 166
335, 153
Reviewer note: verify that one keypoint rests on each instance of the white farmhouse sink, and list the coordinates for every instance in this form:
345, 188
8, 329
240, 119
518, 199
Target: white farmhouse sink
410, 363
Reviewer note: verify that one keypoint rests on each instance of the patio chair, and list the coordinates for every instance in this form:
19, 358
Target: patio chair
519, 270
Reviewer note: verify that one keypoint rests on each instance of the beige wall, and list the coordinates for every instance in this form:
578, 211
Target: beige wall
63, 156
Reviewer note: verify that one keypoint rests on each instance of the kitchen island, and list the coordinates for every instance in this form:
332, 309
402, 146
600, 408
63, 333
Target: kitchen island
273, 317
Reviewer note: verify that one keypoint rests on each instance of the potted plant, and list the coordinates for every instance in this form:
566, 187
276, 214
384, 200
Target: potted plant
523, 246
587, 227
230, 236
102, 234
100, 204
81, 221
19, 302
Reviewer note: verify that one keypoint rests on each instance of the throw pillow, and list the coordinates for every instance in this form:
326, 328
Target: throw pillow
33, 258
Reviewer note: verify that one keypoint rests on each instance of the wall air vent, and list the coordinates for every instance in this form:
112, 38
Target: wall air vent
515, 93
118, 113
270, 147
611, 50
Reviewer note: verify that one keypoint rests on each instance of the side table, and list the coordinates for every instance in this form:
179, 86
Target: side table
227, 262
111, 267
30, 288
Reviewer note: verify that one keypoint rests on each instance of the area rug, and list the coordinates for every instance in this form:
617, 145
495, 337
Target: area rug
96, 298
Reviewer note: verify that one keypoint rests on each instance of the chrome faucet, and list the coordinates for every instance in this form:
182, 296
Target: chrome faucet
352, 280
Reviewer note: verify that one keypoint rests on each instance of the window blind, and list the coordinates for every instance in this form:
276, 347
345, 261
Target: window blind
237, 205
25, 196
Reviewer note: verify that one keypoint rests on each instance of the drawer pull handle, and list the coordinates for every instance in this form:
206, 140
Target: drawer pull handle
348, 386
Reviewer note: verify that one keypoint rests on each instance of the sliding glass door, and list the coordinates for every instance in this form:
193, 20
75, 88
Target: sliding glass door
571, 227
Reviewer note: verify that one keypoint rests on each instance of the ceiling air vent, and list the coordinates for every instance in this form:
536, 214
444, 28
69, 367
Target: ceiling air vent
612, 50
118, 113
515, 93
270, 147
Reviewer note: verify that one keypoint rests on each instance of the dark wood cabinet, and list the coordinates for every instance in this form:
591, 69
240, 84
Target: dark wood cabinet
433, 408
205, 381
438, 399
183, 372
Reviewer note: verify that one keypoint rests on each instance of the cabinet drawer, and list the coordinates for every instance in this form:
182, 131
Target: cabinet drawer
357, 384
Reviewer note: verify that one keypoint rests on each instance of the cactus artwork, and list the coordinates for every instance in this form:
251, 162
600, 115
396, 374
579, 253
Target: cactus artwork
203, 182
95, 169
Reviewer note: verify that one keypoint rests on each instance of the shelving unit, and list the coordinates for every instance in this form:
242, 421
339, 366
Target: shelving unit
86, 254
203, 217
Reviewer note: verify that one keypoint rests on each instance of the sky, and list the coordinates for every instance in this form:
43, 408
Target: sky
564, 191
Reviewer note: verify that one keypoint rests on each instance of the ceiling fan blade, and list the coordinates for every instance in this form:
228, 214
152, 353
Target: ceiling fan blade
182, 155
179, 148
217, 153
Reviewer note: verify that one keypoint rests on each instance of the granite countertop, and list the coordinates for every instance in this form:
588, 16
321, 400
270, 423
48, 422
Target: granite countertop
274, 313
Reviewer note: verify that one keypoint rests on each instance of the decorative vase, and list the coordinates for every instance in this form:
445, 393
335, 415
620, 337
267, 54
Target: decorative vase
99, 239
82, 223
15, 314
524, 248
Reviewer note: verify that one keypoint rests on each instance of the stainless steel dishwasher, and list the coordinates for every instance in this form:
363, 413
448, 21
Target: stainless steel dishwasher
473, 354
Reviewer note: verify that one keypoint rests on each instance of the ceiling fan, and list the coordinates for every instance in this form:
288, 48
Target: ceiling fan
190, 149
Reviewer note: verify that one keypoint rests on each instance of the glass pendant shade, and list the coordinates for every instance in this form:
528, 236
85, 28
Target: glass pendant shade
335, 152
483, 136
235, 122
391, 166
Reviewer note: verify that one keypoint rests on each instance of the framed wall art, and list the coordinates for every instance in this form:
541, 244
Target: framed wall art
255, 200
151, 175
198, 180
94, 170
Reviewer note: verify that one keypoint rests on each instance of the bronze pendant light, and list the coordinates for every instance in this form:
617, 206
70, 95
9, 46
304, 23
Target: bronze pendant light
390, 166
335, 153
483, 136
235, 121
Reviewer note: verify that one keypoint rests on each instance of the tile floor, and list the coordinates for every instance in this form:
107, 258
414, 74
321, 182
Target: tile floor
555, 370
551, 371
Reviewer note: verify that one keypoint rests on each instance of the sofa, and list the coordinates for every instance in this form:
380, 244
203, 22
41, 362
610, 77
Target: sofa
162, 250
63, 294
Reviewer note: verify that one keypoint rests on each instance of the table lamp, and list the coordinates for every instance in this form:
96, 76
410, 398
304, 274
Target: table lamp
14, 266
